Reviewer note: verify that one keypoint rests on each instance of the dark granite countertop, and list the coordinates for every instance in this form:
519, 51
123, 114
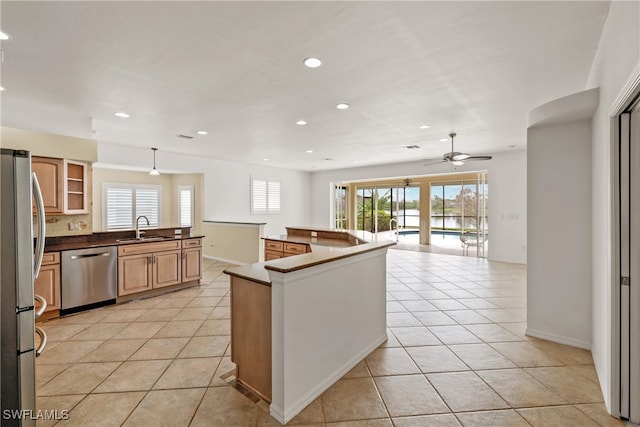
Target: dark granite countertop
115, 238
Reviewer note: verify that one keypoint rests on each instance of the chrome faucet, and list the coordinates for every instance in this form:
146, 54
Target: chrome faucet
138, 232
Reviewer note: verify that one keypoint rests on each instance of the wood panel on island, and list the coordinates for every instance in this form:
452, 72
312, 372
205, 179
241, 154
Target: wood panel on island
147, 266
47, 284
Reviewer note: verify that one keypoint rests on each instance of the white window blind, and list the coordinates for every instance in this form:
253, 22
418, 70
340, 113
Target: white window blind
185, 205
119, 207
265, 196
123, 203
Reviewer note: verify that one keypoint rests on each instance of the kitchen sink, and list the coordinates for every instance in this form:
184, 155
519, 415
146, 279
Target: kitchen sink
143, 239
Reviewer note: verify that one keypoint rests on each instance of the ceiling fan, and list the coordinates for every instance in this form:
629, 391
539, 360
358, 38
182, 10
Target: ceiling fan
455, 157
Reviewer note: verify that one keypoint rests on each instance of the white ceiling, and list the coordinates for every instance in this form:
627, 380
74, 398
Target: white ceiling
235, 70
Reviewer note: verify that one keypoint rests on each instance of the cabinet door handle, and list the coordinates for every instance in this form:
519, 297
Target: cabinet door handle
150, 260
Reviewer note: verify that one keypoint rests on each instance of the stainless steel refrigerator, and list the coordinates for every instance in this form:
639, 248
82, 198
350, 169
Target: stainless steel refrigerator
19, 265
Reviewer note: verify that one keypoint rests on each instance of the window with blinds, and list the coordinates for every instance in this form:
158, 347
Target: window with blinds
265, 196
123, 203
185, 205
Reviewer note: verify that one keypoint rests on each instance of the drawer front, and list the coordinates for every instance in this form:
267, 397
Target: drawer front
295, 248
51, 258
191, 243
145, 248
269, 255
273, 245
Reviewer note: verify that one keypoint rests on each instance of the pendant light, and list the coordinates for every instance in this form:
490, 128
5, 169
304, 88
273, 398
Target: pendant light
154, 171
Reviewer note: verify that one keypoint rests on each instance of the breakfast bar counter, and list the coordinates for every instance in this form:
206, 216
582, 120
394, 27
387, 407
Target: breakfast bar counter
299, 323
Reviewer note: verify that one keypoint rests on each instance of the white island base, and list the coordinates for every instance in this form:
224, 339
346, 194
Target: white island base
325, 320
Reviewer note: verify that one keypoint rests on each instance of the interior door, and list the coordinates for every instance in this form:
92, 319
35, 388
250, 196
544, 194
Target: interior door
634, 269
629, 266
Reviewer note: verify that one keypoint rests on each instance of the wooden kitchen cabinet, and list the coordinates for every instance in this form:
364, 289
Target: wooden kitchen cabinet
274, 249
50, 173
135, 274
63, 184
75, 187
191, 260
166, 269
146, 266
269, 255
47, 284
291, 249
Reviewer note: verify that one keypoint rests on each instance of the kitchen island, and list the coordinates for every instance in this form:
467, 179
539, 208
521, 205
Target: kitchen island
299, 323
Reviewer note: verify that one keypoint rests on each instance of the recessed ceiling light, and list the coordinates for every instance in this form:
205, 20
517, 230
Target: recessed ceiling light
342, 106
425, 127
356, 161
301, 123
202, 132
265, 159
312, 62
1, 88
444, 140
412, 147
328, 159
309, 151
4, 36
122, 115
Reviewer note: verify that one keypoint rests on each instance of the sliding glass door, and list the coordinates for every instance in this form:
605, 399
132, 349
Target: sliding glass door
389, 209
459, 212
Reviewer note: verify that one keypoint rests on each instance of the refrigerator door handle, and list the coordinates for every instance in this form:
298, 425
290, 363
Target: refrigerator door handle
43, 340
43, 305
37, 193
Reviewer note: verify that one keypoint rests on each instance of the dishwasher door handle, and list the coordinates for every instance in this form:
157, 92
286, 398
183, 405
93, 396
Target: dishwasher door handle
89, 255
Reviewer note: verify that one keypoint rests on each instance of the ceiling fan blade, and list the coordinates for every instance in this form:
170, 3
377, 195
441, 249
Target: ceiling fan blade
478, 158
434, 162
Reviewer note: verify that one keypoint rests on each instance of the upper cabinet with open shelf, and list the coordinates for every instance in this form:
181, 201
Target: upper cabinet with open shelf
64, 185
75, 187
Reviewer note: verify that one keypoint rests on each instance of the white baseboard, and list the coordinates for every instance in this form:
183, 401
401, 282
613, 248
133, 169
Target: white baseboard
230, 261
558, 339
284, 416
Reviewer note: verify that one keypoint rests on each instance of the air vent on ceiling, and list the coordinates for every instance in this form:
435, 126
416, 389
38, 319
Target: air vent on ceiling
185, 136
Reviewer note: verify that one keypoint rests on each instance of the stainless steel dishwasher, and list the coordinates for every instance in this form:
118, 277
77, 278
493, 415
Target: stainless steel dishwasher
89, 278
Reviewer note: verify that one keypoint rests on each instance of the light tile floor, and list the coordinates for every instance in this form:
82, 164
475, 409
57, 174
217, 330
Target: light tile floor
456, 355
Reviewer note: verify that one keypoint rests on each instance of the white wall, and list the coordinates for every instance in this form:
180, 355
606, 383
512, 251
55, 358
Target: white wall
507, 196
559, 230
617, 60
226, 184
